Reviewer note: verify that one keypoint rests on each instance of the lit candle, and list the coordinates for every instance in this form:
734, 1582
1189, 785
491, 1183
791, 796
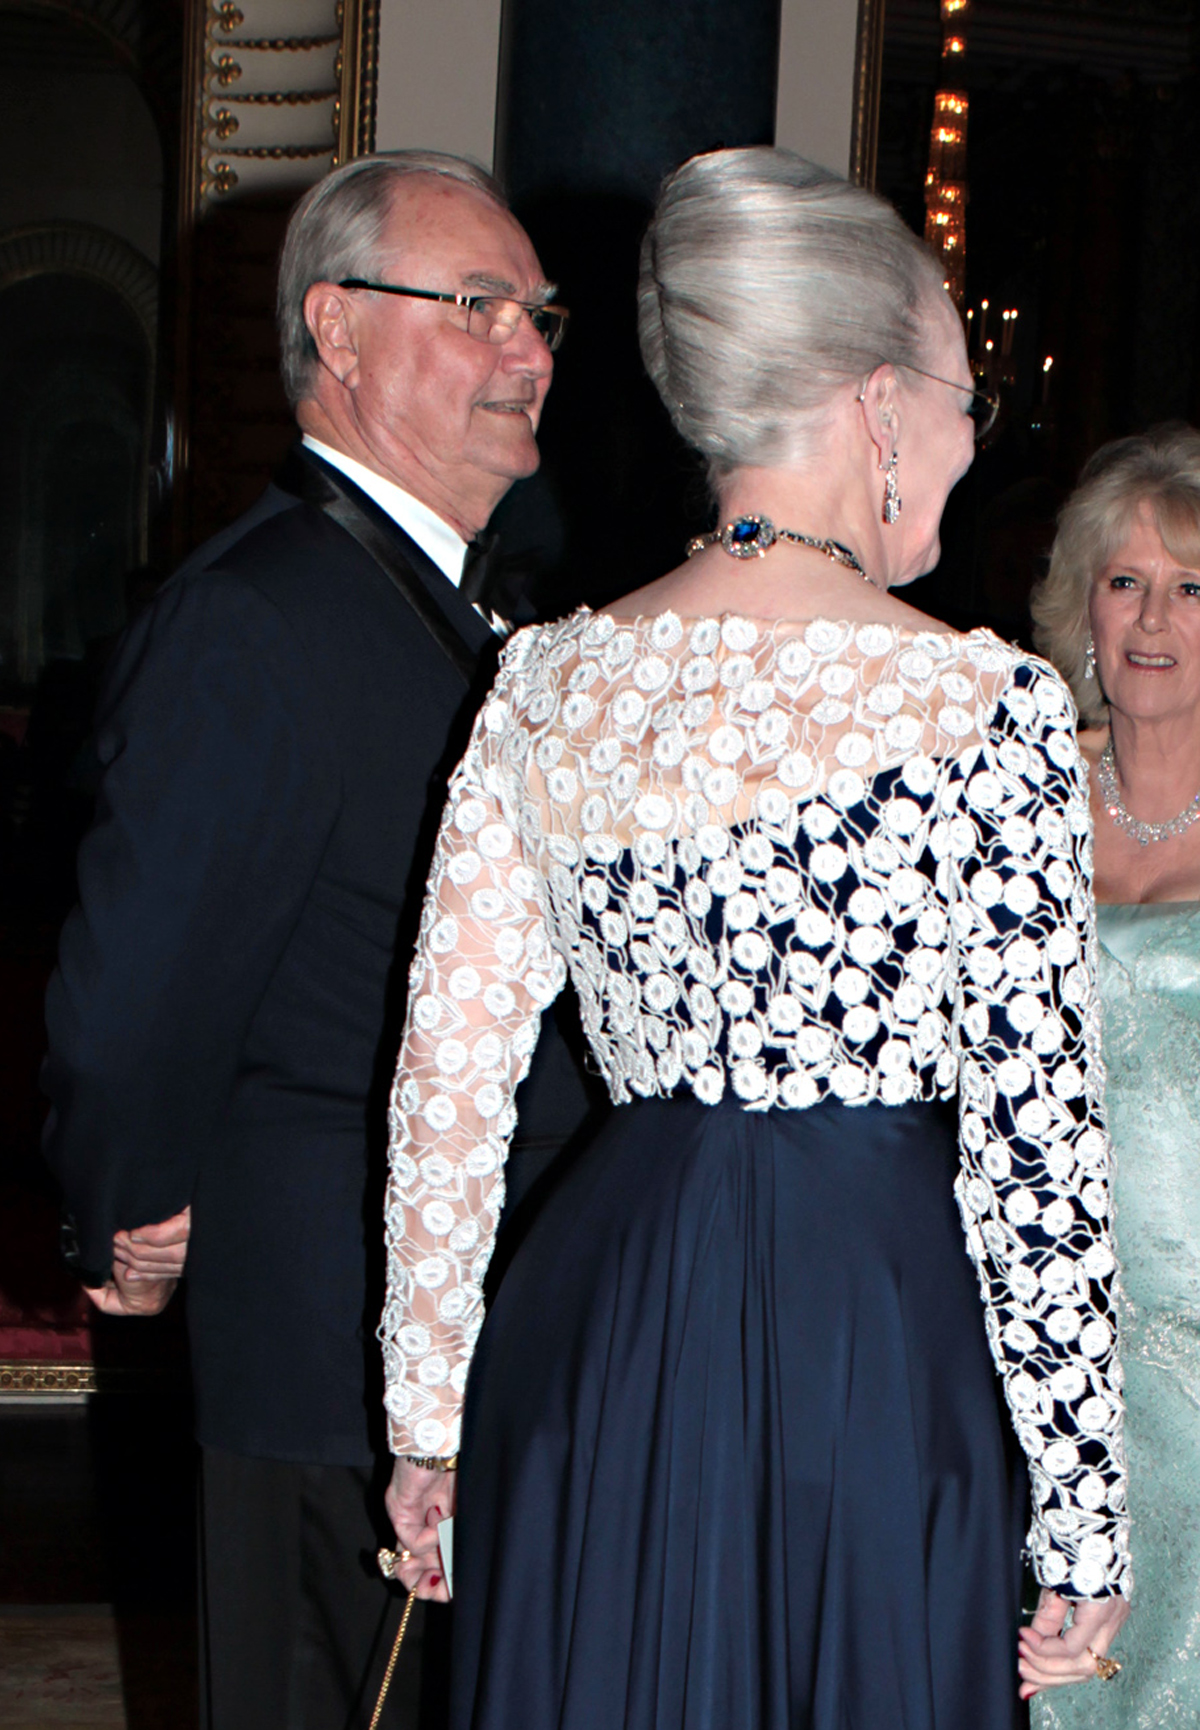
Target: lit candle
1006, 338
1046, 365
983, 307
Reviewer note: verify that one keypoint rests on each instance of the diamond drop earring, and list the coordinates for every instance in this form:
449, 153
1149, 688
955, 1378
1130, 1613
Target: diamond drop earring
1089, 659
891, 492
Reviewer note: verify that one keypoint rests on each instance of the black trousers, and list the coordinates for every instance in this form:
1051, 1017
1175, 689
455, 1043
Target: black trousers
296, 1624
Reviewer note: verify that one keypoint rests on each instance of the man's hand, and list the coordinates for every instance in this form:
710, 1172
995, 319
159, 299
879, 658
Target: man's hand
147, 1266
154, 1252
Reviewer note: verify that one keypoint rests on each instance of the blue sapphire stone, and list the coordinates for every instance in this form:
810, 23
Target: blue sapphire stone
747, 537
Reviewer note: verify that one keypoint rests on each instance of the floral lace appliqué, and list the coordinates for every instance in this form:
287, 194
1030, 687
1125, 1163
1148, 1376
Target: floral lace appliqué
787, 862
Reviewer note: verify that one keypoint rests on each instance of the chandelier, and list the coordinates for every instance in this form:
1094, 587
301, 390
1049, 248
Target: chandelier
946, 176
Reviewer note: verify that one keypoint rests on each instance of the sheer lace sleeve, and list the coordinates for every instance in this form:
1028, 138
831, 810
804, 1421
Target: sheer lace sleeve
483, 972
1034, 1190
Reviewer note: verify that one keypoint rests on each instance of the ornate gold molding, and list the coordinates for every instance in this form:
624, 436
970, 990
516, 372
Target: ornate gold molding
868, 78
32, 1380
219, 180
282, 44
280, 98
276, 153
358, 67
255, 141
195, 50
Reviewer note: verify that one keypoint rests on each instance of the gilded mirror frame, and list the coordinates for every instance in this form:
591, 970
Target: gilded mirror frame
868, 80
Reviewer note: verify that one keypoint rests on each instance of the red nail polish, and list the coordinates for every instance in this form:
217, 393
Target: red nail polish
435, 1579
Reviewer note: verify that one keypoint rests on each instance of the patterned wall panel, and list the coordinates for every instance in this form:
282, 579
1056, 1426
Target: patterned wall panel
281, 90
270, 91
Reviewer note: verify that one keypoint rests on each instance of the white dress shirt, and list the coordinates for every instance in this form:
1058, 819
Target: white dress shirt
444, 546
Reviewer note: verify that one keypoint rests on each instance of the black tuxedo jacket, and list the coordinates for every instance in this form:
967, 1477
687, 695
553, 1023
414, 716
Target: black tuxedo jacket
275, 735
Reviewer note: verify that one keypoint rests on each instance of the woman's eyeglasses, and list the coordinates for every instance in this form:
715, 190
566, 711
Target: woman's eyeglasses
983, 407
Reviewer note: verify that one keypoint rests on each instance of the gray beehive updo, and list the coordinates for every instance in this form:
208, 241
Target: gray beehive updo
767, 284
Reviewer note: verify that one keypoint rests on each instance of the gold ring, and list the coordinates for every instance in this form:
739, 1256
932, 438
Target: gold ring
390, 1560
1106, 1668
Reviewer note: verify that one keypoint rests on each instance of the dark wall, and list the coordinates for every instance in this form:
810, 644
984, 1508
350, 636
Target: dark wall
598, 101
1084, 173
74, 378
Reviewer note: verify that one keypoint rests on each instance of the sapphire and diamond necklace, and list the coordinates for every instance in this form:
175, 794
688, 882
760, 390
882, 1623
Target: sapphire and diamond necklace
749, 537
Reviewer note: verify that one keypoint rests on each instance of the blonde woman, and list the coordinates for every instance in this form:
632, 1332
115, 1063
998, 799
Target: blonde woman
1119, 613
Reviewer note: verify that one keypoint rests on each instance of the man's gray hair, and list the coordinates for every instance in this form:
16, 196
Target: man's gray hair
334, 232
766, 285
1160, 470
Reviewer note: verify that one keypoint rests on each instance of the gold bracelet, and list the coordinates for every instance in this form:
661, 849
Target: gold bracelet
431, 1463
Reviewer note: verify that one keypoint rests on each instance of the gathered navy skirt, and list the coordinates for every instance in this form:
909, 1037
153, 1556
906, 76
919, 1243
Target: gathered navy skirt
734, 1457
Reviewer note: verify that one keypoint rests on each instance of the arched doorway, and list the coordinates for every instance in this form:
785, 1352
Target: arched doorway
76, 368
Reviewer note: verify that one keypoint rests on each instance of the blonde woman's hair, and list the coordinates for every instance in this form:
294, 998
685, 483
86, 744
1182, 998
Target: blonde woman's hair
766, 285
1159, 469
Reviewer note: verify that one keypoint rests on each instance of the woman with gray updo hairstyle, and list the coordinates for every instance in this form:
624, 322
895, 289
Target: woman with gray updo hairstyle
767, 284
732, 1456
794, 326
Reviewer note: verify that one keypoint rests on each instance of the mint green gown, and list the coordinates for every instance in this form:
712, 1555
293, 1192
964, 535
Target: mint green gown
1150, 987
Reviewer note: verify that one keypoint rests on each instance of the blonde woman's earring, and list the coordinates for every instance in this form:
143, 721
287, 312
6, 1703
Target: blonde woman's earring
1089, 660
891, 493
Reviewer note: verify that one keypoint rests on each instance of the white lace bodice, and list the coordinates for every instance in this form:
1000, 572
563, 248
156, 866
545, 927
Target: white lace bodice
788, 861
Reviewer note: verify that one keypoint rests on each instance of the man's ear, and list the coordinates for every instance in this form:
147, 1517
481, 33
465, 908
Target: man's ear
330, 319
881, 413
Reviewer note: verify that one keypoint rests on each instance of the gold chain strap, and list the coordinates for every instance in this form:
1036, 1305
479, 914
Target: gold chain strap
391, 1665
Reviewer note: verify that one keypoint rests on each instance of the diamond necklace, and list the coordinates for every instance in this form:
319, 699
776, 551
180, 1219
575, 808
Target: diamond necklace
1143, 833
749, 537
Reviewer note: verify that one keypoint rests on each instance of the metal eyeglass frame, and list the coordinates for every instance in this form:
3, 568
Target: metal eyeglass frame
551, 337
982, 427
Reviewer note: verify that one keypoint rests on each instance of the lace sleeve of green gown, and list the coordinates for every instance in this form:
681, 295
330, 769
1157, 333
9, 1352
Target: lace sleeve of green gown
1150, 986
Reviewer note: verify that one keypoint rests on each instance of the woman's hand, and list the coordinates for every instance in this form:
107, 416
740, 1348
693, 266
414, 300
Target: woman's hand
416, 1501
1050, 1654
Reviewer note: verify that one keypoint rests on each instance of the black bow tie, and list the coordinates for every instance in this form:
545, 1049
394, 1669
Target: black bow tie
478, 570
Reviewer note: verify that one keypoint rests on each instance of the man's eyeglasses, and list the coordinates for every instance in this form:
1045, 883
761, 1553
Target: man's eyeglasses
983, 407
490, 317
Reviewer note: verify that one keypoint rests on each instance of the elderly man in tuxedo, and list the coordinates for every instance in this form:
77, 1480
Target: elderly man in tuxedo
275, 734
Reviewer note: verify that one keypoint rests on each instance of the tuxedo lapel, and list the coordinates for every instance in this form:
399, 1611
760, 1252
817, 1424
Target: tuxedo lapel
448, 618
